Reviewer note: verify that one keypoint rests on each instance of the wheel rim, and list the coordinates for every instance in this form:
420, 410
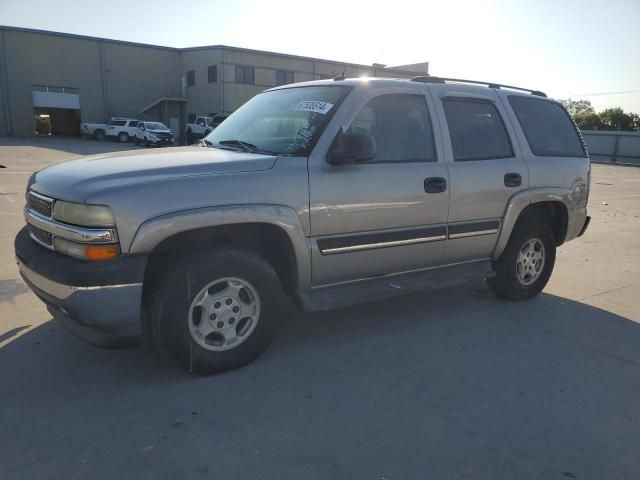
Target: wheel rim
123, 137
224, 314
530, 261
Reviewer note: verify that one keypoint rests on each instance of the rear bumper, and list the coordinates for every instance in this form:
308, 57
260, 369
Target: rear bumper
578, 222
585, 226
100, 303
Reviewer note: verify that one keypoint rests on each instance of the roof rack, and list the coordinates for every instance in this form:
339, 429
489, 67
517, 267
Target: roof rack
430, 79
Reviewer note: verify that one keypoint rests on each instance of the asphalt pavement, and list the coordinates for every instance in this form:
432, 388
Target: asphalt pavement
448, 384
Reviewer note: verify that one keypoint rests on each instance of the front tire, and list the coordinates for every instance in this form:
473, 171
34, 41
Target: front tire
216, 310
123, 137
525, 266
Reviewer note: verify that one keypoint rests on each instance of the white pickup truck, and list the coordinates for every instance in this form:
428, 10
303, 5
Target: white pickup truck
121, 128
94, 130
202, 126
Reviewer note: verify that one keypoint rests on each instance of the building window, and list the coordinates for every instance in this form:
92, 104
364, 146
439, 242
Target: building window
212, 72
191, 78
245, 74
283, 77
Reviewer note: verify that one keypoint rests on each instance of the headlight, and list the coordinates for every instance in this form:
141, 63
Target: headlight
83, 215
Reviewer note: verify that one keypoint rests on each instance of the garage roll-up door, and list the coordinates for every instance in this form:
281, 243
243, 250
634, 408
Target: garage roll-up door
56, 100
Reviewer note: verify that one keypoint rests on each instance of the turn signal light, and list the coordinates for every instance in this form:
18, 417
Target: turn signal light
99, 253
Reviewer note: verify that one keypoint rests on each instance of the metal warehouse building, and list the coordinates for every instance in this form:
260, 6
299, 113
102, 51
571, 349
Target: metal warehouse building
71, 79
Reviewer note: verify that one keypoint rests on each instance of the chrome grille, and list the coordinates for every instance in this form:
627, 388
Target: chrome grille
39, 204
41, 236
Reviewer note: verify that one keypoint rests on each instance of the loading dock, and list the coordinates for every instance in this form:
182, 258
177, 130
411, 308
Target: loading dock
56, 110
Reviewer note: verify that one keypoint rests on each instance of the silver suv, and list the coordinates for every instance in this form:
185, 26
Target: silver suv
332, 192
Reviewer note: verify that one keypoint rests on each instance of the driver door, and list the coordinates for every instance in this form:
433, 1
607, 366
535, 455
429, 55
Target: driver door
387, 215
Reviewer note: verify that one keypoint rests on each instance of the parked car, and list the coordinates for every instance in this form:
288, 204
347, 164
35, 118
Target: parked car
202, 126
333, 192
153, 133
122, 129
94, 130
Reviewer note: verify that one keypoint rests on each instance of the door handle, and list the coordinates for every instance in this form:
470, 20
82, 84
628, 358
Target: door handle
512, 180
435, 184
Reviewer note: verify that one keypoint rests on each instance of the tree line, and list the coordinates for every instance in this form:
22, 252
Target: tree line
610, 119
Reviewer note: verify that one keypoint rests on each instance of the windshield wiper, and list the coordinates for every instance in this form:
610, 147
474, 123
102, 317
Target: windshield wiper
247, 147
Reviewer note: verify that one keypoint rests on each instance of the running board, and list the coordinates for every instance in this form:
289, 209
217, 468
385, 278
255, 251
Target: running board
344, 295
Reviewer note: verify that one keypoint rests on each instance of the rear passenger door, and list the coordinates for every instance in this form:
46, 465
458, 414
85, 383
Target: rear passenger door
485, 168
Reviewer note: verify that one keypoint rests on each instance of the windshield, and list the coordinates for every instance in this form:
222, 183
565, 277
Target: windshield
155, 126
209, 121
286, 121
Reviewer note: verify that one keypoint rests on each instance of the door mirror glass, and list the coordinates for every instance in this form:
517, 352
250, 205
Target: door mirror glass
141, 127
351, 148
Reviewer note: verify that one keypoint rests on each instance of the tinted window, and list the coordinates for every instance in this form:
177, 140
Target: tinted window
212, 73
400, 126
133, 123
244, 74
476, 129
119, 123
191, 78
284, 77
548, 127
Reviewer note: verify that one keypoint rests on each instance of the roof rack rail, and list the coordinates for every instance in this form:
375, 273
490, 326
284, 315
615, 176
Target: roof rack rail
430, 79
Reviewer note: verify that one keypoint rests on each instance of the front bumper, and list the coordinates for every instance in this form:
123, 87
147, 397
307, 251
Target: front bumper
98, 302
162, 141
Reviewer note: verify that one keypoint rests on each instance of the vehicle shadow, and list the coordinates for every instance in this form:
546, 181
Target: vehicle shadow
446, 384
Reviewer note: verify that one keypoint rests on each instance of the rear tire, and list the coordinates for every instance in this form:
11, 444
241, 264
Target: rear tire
206, 344
98, 134
189, 137
123, 137
525, 266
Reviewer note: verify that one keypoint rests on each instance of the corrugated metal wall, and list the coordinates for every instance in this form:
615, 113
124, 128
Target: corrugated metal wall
136, 76
4, 113
112, 78
38, 59
120, 79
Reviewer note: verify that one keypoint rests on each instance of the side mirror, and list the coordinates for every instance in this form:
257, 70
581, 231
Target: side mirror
142, 127
350, 148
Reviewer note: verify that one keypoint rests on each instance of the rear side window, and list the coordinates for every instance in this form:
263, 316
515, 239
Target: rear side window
133, 123
476, 130
548, 127
118, 123
400, 126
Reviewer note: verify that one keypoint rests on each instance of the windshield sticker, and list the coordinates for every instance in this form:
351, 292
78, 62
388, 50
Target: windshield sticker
314, 106
303, 138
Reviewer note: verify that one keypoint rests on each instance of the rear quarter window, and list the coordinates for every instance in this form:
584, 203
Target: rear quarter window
549, 129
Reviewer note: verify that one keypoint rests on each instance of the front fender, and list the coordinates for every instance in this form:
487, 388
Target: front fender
522, 200
155, 230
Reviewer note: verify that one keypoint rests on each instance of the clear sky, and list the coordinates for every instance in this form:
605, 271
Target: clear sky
568, 48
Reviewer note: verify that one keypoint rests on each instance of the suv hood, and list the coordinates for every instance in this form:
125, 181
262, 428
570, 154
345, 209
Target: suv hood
160, 131
76, 180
